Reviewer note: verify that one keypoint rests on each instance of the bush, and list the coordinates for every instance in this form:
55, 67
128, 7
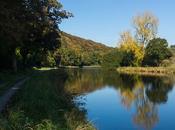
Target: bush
112, 59
156, 51
128, 59
165, 63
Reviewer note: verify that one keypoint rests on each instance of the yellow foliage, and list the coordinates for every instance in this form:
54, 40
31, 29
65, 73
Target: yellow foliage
146, 25
129, 44
128, 98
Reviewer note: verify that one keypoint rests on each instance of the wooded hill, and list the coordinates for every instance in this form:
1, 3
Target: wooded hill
76, 51
75, 42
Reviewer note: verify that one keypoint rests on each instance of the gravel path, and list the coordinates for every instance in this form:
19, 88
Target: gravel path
5, 98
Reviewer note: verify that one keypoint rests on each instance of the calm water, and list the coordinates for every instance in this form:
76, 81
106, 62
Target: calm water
118, 102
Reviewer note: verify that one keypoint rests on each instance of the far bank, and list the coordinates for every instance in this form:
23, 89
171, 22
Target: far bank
160, 71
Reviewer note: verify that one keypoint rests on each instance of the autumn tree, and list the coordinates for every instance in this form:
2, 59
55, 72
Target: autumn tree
146, 26
133, 52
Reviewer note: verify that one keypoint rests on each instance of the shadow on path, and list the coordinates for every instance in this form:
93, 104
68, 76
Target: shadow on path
5, 98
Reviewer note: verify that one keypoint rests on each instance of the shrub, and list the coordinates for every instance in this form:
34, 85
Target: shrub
156, 51
112, 59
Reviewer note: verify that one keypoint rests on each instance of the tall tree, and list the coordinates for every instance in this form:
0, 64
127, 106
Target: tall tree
30, 26
156, 51
43, 19
12, 31
133, 52
146, 26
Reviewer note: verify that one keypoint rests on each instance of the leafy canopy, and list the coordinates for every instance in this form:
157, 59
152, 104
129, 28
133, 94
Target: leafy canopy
156, 51
146, 26
112, 59
133, 51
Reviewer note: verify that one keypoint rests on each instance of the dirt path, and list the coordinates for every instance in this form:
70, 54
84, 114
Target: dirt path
5, 98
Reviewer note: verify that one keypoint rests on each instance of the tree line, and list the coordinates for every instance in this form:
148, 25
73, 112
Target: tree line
76, 51
143, 48
29, 31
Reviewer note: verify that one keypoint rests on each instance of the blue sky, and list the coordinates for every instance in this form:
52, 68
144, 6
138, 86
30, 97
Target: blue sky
104, 20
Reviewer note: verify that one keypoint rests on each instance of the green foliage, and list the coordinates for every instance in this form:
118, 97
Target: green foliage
128, 58
112, 59
32, 28
76, 51
69, 57
49, 60
156, 51
170, 62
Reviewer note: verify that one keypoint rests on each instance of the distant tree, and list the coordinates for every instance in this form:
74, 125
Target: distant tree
156, 51
70, 57
78, 57
145, 26
172, 46
112, 59
133, 52
91, 58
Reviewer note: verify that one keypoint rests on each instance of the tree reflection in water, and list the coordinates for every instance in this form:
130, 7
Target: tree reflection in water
141, 92
146, 94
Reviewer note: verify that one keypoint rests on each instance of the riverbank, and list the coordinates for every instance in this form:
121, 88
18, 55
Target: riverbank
157, 71
44, 103
9, 78
7, 96
75, 67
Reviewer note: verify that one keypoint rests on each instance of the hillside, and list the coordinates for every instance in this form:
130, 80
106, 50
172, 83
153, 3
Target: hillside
74, 42
76, 51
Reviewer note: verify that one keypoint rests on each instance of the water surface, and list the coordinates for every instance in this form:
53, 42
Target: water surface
117, 102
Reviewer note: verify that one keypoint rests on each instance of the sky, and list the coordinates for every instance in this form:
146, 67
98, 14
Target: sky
104, 20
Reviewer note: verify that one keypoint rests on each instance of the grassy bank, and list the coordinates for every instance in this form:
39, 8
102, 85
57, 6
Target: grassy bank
44, 104
8, 78
160, 71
